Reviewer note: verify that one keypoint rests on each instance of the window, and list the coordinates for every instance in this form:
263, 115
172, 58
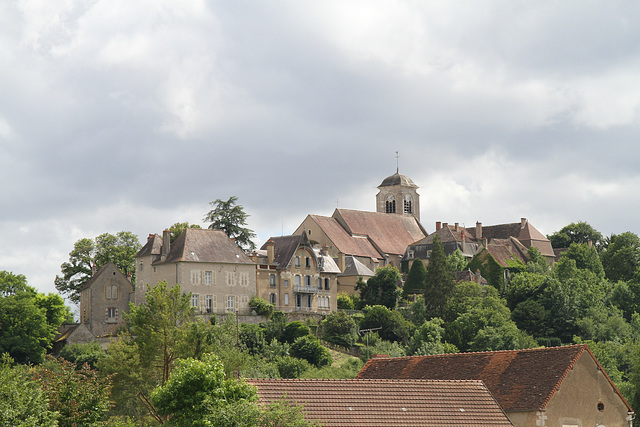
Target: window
286, 299
231, 303
319, 283
243, 301
407, 205
196, 277
111, 292
112, 314
231, 278
244, 279
298, 261
308, 298
155, 269
195, 300
141, 266
307, 281
272, 299
307, 262
209, 303
297, 280
390, 205
208, 277
326, 283
298, 301
286, 283
272, 280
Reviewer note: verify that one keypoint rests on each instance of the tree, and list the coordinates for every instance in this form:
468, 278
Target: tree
394, 326
309, 349
585, 257
91, 254
81, 397
457, 261
10, 283
339, 328
22, 401
428, 338
439, 281
382, 288
621, 257
579, 232
416, 279
79, 354
230, 218
178, 228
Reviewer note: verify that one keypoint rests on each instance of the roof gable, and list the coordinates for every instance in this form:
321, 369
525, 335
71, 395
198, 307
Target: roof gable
343, 241
152, 247
388, 402
520, 380
104, 270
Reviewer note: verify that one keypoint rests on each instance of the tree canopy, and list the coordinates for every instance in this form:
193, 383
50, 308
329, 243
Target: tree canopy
576, 232
439, 280
230, 217
382, 288
91, 254
178, 228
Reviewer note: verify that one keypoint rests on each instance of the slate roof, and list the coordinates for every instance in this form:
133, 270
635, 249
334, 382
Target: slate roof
152, 247
526, 234
397, 179
520, 380
204, 245
283, 248
390, 233
354, 403
102, 270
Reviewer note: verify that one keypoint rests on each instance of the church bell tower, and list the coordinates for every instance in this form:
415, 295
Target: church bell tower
398, 195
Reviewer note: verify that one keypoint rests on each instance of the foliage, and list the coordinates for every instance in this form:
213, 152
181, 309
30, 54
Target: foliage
428, 338
457, 261
295, 330
347, 370
375, 345
22, 401
416, 279
579, 232
178, 228
394, 326
252, 337
261, 306
88, 254
309, 349
586, 258
11, 284
79, 354
345, 302
537, 262
291, 367
81, 397
621, 258
197, 394
439, 281
339, 328
522, 287
230, 218
489, 268
382, 288
274, 328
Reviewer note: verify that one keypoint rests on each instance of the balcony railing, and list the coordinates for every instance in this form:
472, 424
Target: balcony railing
303, 289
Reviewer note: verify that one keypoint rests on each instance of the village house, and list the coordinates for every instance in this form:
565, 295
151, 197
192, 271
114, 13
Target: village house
206, 263
549, 387
361, 402
295, 276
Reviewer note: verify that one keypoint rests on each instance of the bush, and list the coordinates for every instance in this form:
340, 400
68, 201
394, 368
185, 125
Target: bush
79, 354
261, 306
291, 367
339, 328
345, 302
295, 330
309, 349
252, 336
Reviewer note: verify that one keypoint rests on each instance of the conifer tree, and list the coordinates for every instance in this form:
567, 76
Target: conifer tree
439, 281
416, 279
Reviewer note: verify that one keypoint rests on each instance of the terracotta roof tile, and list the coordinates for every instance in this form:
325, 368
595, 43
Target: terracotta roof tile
520, 380
344, 242
352, 403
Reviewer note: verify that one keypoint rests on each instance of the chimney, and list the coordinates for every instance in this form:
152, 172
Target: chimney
270, 251
150, 238
478, 277
523, 222
478, 230
166, 244
457, 227
325, 250
438, 225
445, 225
341, 262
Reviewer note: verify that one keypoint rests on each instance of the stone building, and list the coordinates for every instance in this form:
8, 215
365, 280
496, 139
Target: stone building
206, 263
295, 276
398, 195
104, 299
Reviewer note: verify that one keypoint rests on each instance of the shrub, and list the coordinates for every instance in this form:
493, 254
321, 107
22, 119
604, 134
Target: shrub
295, 330
261, 306
309, 349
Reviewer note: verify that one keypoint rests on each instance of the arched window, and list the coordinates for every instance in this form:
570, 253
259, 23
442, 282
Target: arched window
272, 299
390, 206
407, 205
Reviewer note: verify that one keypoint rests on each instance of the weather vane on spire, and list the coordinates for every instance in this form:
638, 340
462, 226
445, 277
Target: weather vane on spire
397, 163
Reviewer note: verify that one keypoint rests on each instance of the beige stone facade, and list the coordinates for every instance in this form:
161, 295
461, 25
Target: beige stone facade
295, 276
104, 299
398, 195
205, 263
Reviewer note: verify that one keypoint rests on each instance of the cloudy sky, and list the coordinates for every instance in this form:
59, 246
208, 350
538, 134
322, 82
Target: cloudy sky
133, 115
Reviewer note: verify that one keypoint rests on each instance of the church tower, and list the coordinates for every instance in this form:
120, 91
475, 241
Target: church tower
398, 195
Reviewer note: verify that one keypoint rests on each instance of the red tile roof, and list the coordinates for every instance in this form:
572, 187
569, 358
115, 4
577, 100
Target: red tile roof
343, 241
351, 403
520, 380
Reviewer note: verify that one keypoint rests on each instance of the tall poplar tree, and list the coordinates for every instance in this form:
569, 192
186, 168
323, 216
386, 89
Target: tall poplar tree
439, 281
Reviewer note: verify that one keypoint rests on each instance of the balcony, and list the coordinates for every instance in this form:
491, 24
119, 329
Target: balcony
302, 289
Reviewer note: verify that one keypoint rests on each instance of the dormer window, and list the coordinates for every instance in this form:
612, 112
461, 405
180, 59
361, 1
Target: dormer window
297, 262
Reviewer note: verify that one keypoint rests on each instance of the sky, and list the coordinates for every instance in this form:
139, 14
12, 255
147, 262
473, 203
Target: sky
134, 115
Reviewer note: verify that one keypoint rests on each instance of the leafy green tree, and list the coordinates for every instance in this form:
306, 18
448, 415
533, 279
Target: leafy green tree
22, 401
457, 261
291, 367
586, 258
274, 328
147, 351
621, 257
345, 302
178, 228
375, 345
382, 288
10, 283
79, 354
579, 232
416, 279
537, 262
394, 326
252, 337
340, 328
309, 349
428, 338
439, 281
90, 254
522, 287
81, 397
261, 306
230, 217
295, 330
